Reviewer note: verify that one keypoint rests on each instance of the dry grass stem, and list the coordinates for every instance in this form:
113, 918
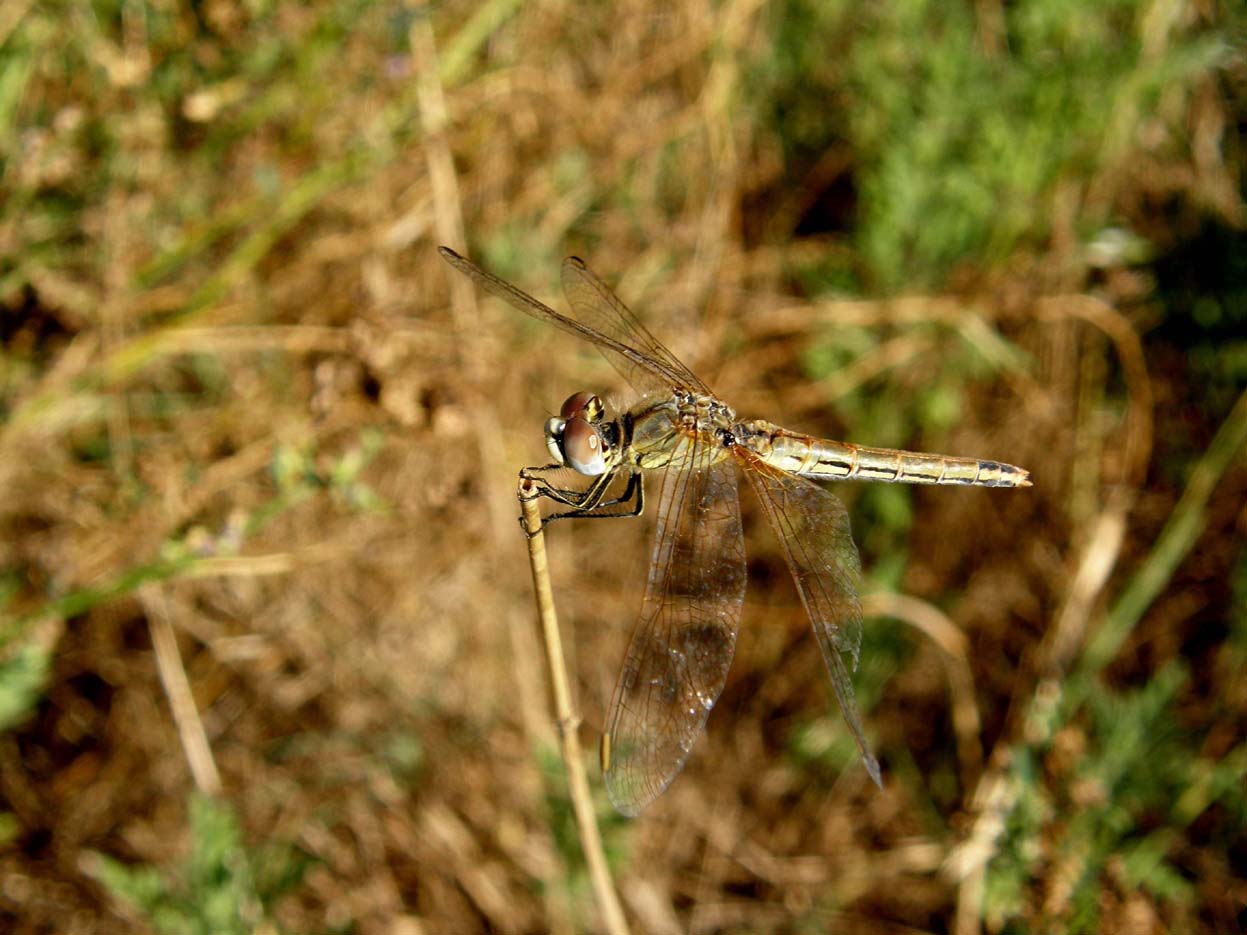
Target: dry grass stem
566, 718
178, 691
471, 343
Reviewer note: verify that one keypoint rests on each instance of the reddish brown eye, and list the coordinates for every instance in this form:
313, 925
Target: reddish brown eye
576, 403
582, 447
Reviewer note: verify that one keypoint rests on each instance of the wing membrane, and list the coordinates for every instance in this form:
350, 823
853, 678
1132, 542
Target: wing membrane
616, 332
812, 526
682, 646
598, 307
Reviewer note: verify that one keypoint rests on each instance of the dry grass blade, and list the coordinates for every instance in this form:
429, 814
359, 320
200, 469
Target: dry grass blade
1176, 540
178, 690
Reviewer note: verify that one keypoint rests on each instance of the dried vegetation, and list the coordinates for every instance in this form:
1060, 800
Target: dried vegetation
268, 659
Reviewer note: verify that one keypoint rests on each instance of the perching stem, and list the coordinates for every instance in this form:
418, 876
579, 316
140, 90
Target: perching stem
566, 718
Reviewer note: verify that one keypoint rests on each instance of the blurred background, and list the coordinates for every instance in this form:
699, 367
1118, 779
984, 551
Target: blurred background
268, 659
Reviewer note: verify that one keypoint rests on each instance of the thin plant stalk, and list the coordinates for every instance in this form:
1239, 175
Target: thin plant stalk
566, 719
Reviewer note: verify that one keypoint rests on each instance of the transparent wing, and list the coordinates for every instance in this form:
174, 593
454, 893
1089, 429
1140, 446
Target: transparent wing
625, 343
598, 307
812, 526
682, 646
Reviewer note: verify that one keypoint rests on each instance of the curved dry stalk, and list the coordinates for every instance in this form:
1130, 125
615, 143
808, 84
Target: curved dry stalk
566, 718
951, 641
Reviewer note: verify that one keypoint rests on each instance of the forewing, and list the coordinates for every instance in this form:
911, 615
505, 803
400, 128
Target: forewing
598, 307
614, 345
812, 526
682, 646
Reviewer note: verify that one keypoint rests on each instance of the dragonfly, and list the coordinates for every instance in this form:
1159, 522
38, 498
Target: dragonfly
683, 641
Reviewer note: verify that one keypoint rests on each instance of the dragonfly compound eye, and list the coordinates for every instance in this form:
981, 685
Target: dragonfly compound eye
582, 447
586, 405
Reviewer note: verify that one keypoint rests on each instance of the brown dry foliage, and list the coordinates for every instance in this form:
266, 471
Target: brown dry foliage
337, 632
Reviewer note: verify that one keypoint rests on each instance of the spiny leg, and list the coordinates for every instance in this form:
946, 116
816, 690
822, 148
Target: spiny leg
634, 491
576, 499
590, 503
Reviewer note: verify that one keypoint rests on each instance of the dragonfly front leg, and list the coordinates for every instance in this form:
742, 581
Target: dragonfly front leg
635, 491
576, 499
590, 503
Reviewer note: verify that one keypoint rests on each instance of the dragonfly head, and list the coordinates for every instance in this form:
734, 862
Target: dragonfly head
575, 436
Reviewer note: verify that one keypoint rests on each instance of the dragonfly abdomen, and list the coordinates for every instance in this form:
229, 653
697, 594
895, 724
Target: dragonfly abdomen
832, 460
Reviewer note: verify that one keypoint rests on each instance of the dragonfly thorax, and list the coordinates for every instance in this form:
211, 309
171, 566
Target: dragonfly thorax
685, 430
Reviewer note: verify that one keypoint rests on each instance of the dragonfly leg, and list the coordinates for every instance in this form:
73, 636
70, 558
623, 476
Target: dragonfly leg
635, 491
590, 503
576, 499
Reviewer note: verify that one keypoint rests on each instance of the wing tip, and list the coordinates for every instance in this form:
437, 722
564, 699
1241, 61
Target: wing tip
628, 800
448, 254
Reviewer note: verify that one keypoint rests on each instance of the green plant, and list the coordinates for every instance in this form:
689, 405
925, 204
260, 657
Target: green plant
962, 130
1114, 815
220, 888
22, 677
